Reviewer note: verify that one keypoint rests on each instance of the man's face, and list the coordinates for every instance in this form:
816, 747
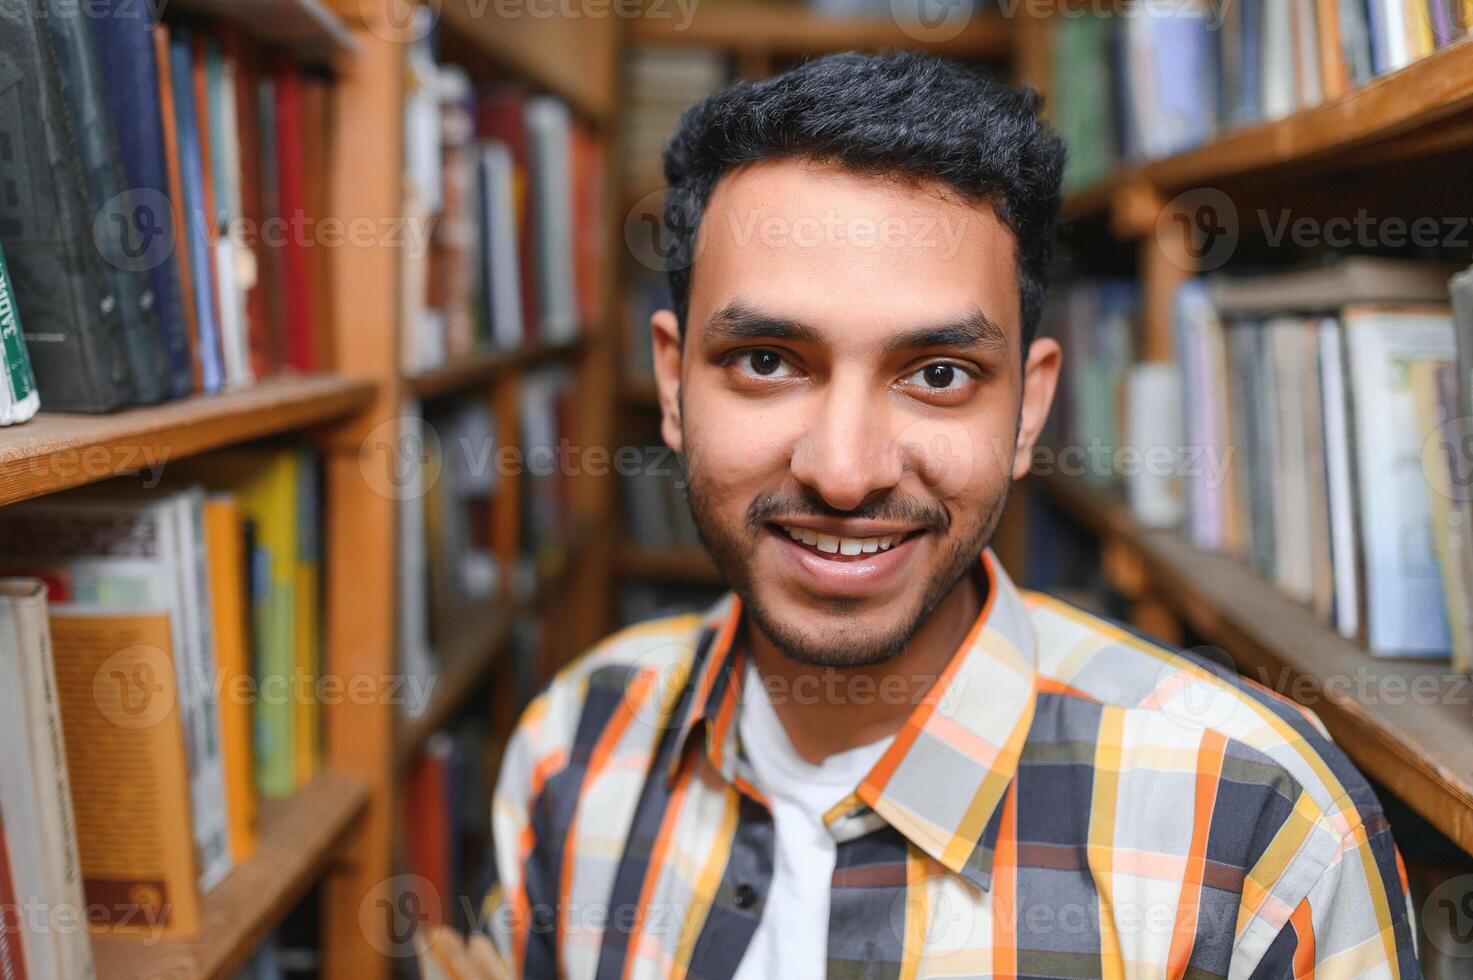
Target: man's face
851, 397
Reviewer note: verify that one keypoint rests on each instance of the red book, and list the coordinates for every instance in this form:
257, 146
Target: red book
264, 360
292, 182
589, 235
427, 824
502, 115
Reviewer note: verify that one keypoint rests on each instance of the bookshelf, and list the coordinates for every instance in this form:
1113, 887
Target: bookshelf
57, 450
1405, 723
483, 367
1419, 109
308, 28
299, 837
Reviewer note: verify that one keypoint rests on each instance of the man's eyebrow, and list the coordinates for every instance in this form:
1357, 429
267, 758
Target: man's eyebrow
736, 321
975, 331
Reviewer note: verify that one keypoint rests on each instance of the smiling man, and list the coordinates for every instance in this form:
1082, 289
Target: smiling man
876, 756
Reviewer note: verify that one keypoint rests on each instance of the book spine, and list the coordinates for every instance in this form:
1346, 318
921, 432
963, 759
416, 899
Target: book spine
12, 951
53, 784
110, 201
207, 775
125, 52
71, 325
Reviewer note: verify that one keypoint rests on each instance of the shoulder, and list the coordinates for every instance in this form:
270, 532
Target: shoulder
623, 672
1286, 802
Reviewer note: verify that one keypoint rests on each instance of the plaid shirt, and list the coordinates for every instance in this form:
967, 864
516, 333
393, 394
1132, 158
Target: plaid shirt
1069, 799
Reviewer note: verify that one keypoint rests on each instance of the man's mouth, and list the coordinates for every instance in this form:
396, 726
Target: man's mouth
842, 547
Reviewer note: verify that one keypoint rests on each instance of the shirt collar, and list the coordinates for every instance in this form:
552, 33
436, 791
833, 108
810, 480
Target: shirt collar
941, 781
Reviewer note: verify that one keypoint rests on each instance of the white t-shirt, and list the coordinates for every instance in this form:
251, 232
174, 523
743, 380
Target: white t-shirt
792, 938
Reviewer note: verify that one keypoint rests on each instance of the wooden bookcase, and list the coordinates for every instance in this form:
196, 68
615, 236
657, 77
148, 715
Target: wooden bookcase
1393, 139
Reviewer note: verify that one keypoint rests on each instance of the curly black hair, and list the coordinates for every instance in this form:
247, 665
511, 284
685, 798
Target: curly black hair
903, 115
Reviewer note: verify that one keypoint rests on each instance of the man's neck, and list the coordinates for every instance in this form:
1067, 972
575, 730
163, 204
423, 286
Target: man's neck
826, 710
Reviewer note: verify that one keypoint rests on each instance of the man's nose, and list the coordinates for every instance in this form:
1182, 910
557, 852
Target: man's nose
848, 453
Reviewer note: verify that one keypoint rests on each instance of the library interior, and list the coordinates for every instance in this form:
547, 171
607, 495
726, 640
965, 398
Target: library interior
332, 432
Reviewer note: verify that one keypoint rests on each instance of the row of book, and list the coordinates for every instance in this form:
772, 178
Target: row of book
480, 519
161, 644
1313, 420
509, 190
161, 225
660, 83
1182, 73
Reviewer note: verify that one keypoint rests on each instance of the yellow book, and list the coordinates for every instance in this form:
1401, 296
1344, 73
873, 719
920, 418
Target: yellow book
228, 598
1419, 29
130, 780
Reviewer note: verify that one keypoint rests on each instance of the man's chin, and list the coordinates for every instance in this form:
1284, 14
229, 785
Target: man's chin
832, 638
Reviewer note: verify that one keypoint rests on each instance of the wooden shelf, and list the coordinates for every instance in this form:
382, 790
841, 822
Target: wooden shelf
1406, 723
1395, 116
685, 565
640, 392
299, 837
569, 56
57, 450
474, 370
793, 30
306, 27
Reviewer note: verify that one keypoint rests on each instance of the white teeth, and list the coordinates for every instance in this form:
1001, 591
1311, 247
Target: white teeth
834, 544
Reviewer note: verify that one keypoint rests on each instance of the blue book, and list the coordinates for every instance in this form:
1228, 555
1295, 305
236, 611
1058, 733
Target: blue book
1250, 79
196, 224
125, 52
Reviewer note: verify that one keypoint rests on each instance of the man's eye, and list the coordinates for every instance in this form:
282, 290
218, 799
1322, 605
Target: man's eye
940, 377
763, 364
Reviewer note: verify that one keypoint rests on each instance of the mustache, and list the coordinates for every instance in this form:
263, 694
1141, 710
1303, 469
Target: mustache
767, 507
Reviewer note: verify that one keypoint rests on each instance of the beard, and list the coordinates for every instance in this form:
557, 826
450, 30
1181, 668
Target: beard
733, 550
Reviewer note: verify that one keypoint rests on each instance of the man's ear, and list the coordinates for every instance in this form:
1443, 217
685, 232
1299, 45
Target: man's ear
666, 335
1040, 379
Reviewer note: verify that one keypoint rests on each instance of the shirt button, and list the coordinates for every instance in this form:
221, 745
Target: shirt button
745, 896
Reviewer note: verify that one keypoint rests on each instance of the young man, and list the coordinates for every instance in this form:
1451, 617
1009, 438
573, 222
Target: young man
876, 756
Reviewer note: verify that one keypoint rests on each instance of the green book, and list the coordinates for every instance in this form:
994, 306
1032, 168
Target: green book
18, 397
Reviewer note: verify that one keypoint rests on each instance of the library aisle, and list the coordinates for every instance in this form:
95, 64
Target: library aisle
329, 430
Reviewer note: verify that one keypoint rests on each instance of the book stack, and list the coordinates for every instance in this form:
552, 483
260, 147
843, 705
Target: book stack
163, 237
506, 188
1322, 413
165, 640
1183, 73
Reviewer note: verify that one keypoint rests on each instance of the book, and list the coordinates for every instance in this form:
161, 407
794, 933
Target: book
229, 601
549, 138
110, 200
173, 168
197, 233
36, 788
1318, 289
69, 315
291, 200
1340, 481
124, 549
502, 274
19, 399
1439, 422
130, 71
1404, 611
126, 753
